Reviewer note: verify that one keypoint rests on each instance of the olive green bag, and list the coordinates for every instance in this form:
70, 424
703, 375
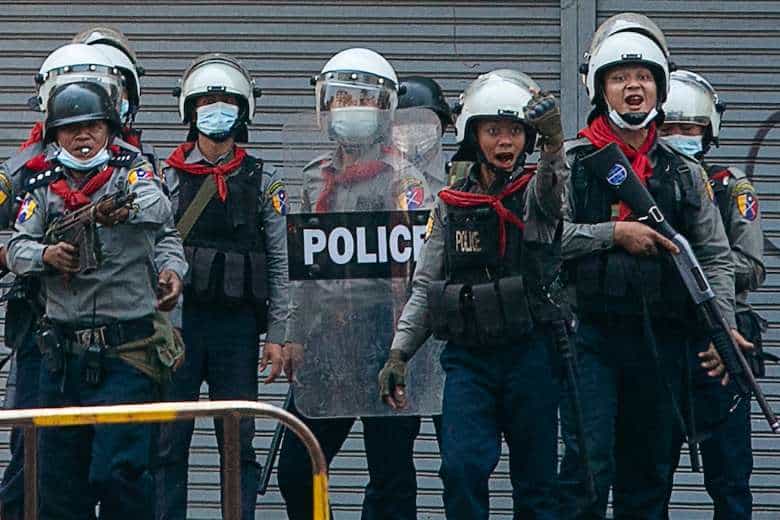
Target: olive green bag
156, 355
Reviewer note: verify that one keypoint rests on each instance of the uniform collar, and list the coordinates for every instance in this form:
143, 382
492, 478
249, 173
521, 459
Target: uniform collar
196, 157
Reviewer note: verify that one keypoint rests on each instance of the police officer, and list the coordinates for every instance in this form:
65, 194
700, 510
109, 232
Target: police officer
356, 93
635, 317
486, 283
69, 63
691, 126
235, 244
99, 321
116, 47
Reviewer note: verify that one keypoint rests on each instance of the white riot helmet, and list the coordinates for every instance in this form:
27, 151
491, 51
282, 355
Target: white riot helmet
627, 48
115, 45
364, 87
693, 100
76, 62
500, 93
128, 71
625, 22
217, 73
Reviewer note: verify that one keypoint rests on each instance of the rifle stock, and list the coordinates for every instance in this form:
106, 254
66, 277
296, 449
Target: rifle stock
612, 167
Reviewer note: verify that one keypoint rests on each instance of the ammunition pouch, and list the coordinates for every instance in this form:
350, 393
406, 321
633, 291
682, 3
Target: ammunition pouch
613, 283
488, 314
750, 324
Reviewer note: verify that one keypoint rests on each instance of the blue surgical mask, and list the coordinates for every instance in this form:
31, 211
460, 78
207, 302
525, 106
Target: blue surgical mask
690, 145
124, 109
217, 120
355, 125
67, 160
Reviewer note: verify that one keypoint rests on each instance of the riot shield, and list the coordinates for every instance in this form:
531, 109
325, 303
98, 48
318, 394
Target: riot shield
359, 204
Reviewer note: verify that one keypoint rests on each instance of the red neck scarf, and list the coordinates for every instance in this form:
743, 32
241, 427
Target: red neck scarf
36, 136
463, 199
178, 157
601, 134
351, 174
131, 136
74, 198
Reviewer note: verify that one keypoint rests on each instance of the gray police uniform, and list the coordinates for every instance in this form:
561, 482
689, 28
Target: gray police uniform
391, 491
634, 331
95, 314
236, 289
500, 373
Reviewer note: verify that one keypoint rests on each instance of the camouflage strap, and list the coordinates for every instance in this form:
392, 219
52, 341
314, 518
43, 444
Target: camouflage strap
193, 212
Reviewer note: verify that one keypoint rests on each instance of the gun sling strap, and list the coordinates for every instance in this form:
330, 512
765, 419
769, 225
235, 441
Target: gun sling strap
193, 212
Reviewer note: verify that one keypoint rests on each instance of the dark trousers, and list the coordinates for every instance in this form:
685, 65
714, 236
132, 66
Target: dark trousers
629, 419
108, 464
26, 375
222, 349
514, 391
727, 454
391, 492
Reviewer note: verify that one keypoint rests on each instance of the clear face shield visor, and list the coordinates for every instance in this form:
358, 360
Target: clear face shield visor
350, 89
107, 77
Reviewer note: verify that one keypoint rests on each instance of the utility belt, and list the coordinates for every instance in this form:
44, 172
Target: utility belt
488, 314
55, 340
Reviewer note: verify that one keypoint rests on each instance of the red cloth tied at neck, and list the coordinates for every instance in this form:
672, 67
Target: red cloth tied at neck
178, 158
601, 134
463, 199
350, 175
36, 135
76, 198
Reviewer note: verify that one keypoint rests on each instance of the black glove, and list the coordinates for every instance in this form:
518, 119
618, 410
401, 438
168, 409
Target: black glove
544, 114
392, 374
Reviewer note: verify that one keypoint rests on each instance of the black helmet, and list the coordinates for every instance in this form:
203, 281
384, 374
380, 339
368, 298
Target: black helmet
78, 102
419, 91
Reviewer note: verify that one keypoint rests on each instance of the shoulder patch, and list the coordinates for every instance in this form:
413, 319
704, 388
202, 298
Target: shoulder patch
5, 182
429, 226
139, 174
411, 194
27, 209
747, 205
705, 180
278, 197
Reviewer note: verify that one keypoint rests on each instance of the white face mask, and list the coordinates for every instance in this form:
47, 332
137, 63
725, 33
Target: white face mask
621, 122
686, 144
355, 125
73, 163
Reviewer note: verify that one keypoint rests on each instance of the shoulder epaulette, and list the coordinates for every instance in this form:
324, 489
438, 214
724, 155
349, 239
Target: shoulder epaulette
573, 144
17, 161
34, 180
319, 162
123, 159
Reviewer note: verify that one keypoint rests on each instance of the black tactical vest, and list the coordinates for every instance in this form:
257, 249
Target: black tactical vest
486, 299
226, 248
613, 283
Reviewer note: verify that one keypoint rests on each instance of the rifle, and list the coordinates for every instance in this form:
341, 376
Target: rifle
613, 167
78, 227
273, 449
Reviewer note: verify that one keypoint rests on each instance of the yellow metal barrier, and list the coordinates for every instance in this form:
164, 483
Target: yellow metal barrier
229, 411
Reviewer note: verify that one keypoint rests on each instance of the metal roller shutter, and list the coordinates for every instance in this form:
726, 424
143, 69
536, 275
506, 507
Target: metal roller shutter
284, 43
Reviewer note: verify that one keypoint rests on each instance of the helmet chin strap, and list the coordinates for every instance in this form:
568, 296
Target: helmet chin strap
631, 120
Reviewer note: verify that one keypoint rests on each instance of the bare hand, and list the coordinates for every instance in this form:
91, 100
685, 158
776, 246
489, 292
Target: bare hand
712, 362
641, 240
292, 356
63, 257
112, 218
170, 287
272, 353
